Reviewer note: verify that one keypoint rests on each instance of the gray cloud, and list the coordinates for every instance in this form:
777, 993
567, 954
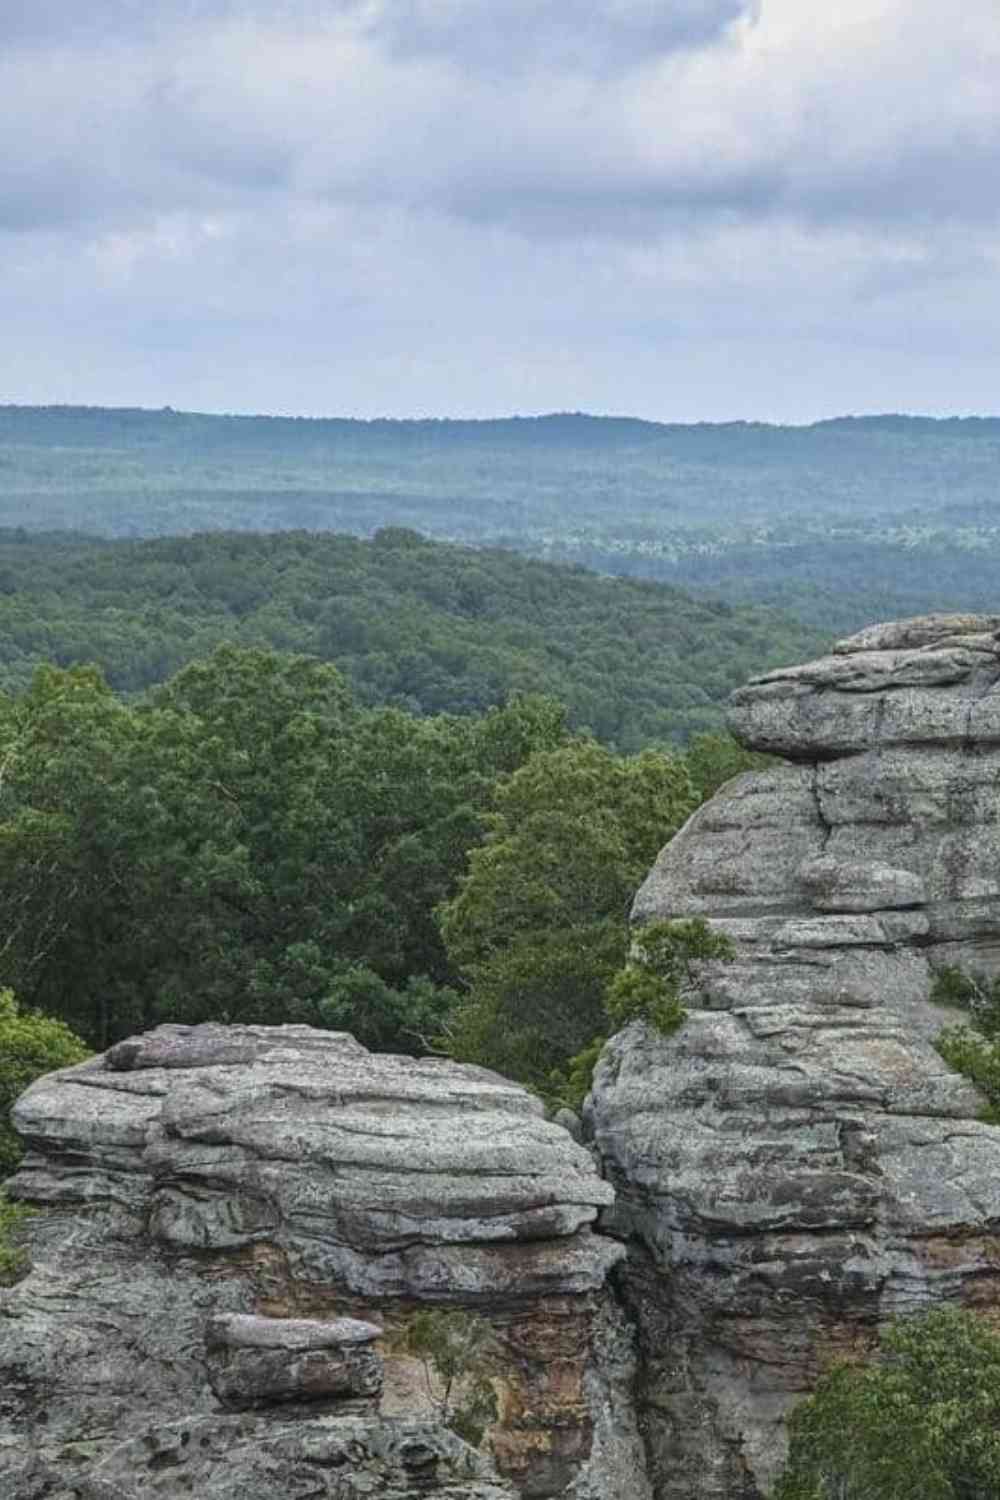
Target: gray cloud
565, 202
550, 34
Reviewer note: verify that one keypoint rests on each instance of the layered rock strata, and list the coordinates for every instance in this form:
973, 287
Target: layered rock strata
218, 1203
797, 1164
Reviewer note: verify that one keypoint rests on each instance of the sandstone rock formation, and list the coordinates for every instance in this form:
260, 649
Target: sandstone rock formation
220, 1205
797, 1164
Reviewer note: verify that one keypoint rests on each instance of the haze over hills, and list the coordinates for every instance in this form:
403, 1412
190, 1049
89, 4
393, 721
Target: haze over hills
842, 521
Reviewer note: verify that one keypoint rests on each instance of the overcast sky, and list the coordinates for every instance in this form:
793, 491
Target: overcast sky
680, 209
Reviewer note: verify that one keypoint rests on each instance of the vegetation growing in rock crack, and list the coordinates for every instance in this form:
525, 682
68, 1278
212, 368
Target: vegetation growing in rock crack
454, 1349
662, 969
972, 1049
13, 1258
920, 1421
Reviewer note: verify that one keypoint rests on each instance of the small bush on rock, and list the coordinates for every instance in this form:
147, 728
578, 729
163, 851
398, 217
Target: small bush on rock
973, 1049
661, 970
651, 987
453, 1348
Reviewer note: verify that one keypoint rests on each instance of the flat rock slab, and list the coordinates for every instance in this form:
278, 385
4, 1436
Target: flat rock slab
249, 1331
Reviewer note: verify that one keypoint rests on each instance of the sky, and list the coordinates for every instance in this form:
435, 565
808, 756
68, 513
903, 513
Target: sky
686, 210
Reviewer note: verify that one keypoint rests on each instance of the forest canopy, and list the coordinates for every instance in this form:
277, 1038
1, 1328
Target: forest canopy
842, 522
247, 842
422, 626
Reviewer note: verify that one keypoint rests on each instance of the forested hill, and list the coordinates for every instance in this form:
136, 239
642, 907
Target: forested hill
427, 626
842, 522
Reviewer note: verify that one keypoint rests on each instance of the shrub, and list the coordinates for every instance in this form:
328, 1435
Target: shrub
973, 1049
652, 985
453, 1348
30, 1044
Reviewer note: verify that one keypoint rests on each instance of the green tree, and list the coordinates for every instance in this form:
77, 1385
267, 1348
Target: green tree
539, 926
66, 832
920, 1422
661, 971
246, 845
30, 1045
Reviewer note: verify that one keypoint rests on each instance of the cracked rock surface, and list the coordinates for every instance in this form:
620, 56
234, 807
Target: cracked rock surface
797, 1164
228, 1217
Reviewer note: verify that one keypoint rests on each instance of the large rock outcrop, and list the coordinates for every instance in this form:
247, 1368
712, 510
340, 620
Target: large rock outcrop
230, 1215
797, 1164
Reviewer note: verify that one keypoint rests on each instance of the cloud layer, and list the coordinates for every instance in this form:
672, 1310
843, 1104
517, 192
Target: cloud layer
682, 208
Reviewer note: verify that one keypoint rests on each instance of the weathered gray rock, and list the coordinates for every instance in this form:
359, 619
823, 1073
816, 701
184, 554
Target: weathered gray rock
259, 1362
386, 1175
797, 1164
840, 885
217, 1201
943, 691
261, 1458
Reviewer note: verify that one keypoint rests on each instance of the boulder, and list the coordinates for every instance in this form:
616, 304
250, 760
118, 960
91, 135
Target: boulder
217, 1204
261, 1362
797, 1164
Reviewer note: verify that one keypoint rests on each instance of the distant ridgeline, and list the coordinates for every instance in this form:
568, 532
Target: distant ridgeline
425, 626
843, 522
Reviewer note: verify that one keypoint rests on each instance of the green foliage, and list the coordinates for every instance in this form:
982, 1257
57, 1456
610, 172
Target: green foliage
842, 522
661, 969
380, 1016
636, 993
538, 926
975, 993
568, 1087
13, 1257
30, 1045
978, 1059
454, 1349
413, 624
922, 1422
714, 759
973, 1050
246, 845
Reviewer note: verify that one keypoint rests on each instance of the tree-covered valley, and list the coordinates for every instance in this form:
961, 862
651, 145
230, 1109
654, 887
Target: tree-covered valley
425, 626
841, 522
